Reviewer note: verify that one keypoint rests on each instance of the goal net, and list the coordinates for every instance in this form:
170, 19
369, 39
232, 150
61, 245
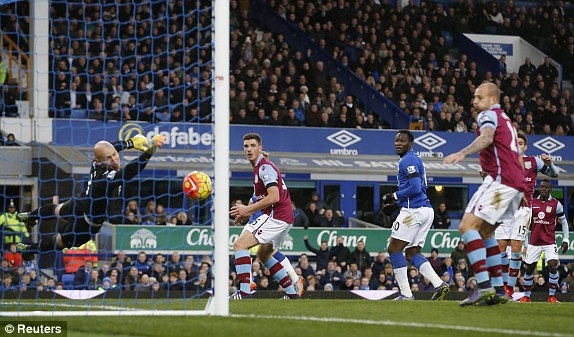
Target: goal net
74, 74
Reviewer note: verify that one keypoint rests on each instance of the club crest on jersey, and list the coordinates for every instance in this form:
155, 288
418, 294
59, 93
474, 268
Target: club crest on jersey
541, 215
411, 169
112, 174
527, 165
548, 209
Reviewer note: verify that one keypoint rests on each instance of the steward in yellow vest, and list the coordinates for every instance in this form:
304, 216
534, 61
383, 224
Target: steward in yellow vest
13, 230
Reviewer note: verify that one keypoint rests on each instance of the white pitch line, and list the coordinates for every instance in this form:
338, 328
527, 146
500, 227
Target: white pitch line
411, 325
69, 305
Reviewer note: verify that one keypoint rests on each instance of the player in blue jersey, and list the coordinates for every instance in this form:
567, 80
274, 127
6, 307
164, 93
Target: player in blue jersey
411, 227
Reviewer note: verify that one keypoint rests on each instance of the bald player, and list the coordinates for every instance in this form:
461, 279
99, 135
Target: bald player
497, 199
84, 214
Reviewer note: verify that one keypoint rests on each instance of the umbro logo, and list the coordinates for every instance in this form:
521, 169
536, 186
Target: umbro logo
343, 138
549, 145
430, 141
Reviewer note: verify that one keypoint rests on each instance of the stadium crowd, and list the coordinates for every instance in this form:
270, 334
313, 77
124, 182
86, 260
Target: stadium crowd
155, 67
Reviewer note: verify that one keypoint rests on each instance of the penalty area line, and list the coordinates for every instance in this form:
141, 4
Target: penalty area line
410, 325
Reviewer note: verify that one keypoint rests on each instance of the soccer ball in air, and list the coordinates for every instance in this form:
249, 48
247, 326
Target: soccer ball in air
197, 185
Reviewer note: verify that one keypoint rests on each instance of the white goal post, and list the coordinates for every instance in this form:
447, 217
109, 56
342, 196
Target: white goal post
218, 303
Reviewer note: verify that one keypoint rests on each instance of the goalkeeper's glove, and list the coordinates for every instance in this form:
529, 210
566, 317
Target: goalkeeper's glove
156, 142
389, 198
138, 142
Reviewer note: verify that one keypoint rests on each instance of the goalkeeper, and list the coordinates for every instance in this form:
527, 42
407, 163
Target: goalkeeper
84, 214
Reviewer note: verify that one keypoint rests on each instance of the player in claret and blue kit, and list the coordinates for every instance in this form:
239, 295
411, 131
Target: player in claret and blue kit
546, 211
412, 225
497, 198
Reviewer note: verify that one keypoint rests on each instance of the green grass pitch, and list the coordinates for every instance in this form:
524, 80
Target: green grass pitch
333, 318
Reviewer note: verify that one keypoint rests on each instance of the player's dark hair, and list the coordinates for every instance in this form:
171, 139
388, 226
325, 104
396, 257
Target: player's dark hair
408, 134
522, 136
255, 136
546, 180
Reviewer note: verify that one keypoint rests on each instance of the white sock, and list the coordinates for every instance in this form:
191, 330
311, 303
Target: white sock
403, 281
427, 271
290, 271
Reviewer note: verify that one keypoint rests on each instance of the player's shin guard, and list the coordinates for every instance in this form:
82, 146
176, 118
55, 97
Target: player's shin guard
243, 270
514, 268
280, 275
528, 281
493, 264
552, 283
477, 256
418, 261
504, 265
287, 265
400, 268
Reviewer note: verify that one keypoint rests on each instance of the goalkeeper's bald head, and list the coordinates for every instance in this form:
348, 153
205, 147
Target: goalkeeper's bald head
105, 154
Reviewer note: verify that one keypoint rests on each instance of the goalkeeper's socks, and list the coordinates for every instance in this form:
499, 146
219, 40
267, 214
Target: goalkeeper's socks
47, 244
42, 212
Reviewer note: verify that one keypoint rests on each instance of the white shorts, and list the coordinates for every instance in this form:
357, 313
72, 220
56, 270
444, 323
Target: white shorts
412, 225
494, 201
268, 230
533, 253
516, 228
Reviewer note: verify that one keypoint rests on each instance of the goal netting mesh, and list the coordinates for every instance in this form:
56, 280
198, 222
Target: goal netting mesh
75, 73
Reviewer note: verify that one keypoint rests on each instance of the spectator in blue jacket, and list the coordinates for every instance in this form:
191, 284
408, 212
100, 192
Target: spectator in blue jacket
332, 276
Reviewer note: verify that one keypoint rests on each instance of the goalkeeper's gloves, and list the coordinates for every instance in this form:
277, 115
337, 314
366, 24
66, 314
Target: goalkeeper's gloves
156, 142
389, 198
138, 142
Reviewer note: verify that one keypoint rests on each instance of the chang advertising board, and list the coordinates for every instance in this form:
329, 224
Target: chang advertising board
199, 240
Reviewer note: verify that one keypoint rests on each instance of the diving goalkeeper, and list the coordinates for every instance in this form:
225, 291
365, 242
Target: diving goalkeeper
84, 214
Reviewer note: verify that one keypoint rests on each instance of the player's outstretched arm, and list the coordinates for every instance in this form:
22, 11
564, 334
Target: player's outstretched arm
480, 143
137, 165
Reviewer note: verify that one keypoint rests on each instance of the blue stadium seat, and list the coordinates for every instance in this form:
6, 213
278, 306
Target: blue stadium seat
68, 281
79, 113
